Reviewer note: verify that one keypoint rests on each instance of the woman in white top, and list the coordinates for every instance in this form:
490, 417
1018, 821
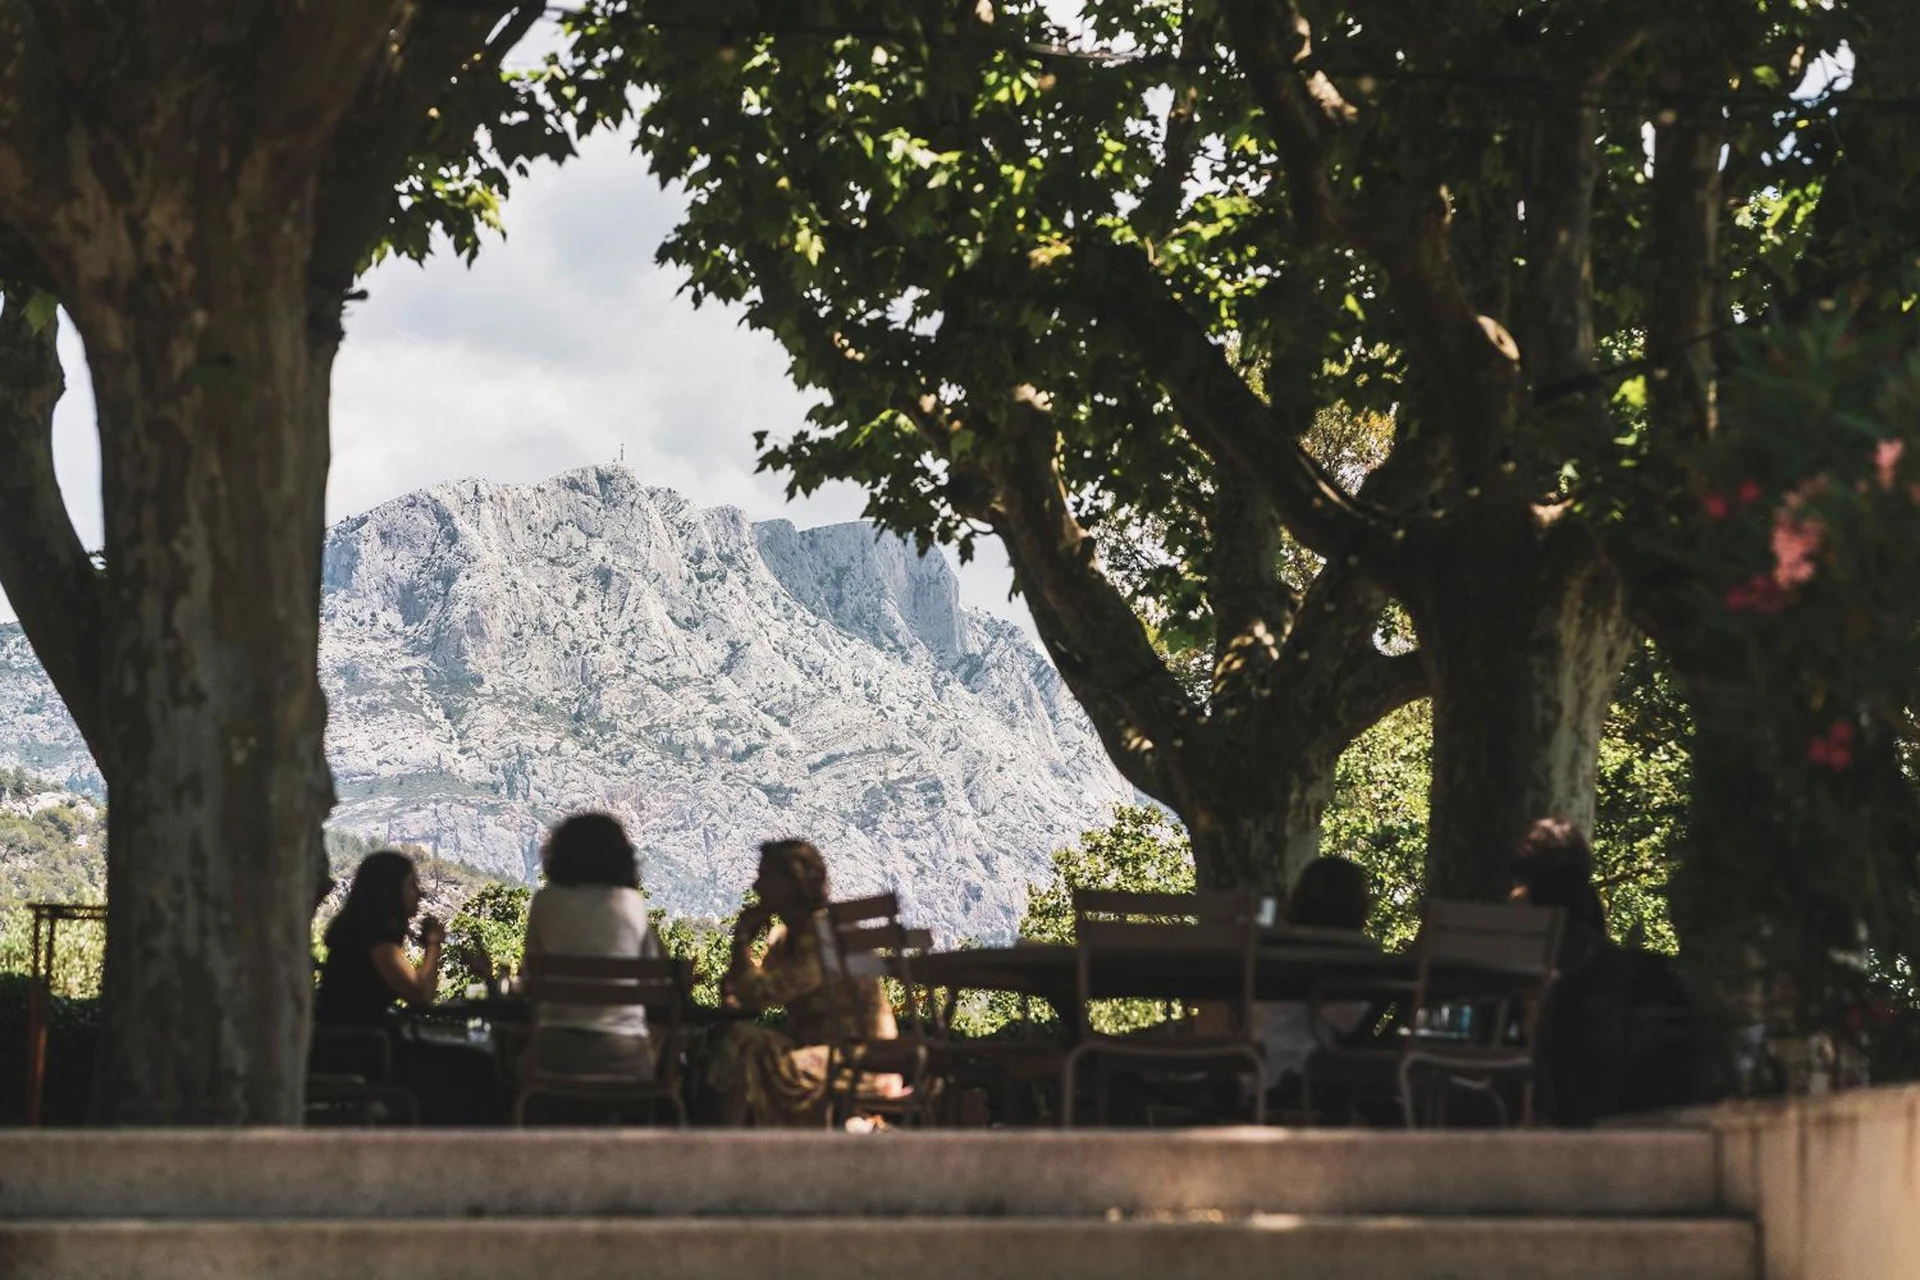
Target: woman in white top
591, 906
1331, 893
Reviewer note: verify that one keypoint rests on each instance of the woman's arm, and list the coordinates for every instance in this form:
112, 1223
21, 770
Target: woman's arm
787, 973
415, 985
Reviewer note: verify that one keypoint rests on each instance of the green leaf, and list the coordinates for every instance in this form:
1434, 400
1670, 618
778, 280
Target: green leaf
40, 310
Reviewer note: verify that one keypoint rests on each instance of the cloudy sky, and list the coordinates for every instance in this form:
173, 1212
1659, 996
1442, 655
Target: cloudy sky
559, 347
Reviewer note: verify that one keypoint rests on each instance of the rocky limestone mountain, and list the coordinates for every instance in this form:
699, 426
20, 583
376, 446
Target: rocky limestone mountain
498, 655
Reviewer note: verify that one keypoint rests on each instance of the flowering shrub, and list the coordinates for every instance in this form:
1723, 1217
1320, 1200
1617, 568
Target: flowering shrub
1806, 552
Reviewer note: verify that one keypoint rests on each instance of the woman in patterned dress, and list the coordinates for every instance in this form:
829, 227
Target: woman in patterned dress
778, 1078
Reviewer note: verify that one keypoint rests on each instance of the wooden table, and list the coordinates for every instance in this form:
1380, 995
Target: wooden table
518, 1010
1282, 971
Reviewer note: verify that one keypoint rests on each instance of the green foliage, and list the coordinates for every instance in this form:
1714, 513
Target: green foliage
489, 931
1142, 850
1645, 798
1805, 831
486, 134
706, 944
56, 853
1378, 817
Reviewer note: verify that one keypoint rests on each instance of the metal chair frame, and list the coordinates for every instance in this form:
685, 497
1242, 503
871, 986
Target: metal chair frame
1523, 941
328, 1093
867, 940
661, 985
1112, 920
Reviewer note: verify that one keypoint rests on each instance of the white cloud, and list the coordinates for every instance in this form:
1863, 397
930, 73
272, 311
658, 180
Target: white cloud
561, 346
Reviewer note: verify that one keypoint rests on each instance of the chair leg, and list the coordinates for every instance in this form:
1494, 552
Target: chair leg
1259, 1090
1406, 1092
1067, 1074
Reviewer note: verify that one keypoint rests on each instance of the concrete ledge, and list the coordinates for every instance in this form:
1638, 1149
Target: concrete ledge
495, 1173
606, 1249
1833, 1181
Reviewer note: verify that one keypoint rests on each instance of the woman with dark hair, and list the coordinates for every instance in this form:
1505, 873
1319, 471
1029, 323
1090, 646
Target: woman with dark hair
591, 906
1554, 868
1332, 894
367, 970
774, 1078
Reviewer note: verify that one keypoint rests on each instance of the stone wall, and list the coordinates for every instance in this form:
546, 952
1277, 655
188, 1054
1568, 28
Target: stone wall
1834, 1181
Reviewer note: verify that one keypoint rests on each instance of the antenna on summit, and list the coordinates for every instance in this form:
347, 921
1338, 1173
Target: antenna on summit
623, 453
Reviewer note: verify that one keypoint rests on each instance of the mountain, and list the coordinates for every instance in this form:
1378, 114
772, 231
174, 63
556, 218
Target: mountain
498, 655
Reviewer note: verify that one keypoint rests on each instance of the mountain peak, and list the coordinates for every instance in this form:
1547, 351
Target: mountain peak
496, 656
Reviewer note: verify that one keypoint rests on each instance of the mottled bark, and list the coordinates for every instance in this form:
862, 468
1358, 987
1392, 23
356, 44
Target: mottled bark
1258, 830
1523, 632
52, 583
185, 182
214, 464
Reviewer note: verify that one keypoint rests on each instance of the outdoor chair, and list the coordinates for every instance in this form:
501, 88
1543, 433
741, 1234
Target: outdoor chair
1110, 925
1513, 948
659, 984
1019, 1065
867, 941
364, 1095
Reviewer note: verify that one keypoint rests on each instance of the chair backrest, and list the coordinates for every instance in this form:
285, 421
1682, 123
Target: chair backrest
1107, 921
1522, 942
879, 906
1512, 936
867, 941
661, 985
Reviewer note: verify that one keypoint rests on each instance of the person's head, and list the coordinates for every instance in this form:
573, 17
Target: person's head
591, 848
383, 896
1552, 843
1331, 893
792, 879
1554, 868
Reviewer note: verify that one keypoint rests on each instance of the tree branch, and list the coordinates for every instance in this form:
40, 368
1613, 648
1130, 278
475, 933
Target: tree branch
1406, 232
1682, 248
1225, 414
1097, 641
1166, 196
1253, 609
434, 46
48, 576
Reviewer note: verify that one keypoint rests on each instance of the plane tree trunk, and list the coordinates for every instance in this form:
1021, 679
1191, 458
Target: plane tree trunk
199, 190
1524, 634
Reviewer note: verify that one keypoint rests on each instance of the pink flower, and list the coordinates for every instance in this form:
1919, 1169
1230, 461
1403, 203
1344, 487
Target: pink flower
1750, 492
1834, 748
1886, 458
1715, 503
1795, 543
1759, 595
1813, 487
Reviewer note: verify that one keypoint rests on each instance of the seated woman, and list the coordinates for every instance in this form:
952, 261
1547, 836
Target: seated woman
367, 970
591, 906
773, 1078
1331, 893
1582, 1047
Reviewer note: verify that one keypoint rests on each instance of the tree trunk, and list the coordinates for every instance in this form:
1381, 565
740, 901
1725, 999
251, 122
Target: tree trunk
213, 413
1257, 835
1524, 632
